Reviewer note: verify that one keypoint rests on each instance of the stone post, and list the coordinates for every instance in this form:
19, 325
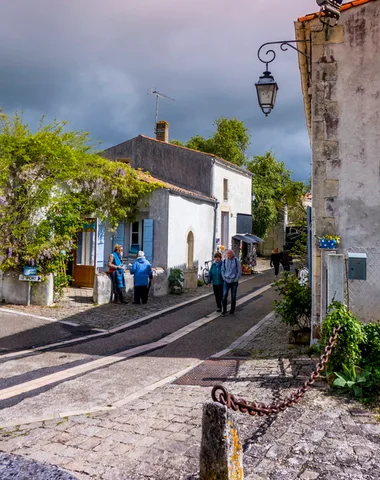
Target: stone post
221, 456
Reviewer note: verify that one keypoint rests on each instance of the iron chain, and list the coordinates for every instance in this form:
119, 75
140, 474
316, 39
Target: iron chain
219, 393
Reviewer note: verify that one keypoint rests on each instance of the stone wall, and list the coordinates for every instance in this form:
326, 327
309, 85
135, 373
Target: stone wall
103, 286
15, 292
345, 137
180, 166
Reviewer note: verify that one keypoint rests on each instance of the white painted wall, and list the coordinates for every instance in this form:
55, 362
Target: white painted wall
187, 215
239, 196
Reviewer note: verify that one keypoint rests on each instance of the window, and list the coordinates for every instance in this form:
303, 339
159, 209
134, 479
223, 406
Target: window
225, 189
225, 229
135, 233
86, 244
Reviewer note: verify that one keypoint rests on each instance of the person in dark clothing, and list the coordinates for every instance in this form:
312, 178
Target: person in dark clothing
215, 277
231, 272
275, 261
142, 272
286, 259
116, 270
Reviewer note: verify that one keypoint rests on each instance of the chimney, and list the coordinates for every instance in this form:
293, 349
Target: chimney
162, 131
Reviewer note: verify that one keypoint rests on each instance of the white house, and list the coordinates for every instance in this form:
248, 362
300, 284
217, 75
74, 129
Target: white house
204, 201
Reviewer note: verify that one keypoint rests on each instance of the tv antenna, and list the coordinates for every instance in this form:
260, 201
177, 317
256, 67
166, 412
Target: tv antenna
159, 95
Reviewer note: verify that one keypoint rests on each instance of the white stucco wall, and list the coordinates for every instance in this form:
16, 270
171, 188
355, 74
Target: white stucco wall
239, 196
187, 215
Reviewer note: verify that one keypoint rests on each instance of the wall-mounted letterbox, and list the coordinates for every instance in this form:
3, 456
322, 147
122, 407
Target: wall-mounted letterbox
357, 266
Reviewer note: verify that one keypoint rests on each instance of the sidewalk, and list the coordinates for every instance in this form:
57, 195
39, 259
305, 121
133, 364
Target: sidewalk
157, 435
77, 305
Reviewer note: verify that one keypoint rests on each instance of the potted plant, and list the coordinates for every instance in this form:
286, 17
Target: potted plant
294, 307
329, 242
176, 281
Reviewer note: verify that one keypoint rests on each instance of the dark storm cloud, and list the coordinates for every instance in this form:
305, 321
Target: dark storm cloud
91, 62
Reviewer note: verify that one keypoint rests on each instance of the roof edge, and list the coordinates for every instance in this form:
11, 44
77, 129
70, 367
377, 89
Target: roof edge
345, 6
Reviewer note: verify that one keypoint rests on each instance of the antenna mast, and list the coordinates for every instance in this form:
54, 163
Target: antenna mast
158, 96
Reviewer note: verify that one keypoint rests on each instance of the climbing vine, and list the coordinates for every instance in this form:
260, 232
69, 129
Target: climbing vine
50, 181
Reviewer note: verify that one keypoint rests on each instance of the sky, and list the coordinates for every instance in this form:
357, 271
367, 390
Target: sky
92, 63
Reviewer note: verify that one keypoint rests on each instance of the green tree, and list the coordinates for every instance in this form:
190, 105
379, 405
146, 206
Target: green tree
50, 181
230, 141
273, 190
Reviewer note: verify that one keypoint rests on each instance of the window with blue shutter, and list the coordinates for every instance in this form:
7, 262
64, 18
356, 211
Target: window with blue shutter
119, 237
148, 239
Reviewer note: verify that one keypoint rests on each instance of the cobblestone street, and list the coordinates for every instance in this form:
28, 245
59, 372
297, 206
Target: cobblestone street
157, 436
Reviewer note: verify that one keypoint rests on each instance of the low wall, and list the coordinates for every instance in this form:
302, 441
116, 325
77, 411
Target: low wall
103, 285
15, 291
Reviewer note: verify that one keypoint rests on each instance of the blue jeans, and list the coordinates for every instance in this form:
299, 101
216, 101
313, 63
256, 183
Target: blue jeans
226, 288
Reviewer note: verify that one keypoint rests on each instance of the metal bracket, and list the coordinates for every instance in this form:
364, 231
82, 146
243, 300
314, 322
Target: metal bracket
284, 45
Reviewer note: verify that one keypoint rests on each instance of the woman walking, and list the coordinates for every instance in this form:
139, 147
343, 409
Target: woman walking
275, 260
215, 277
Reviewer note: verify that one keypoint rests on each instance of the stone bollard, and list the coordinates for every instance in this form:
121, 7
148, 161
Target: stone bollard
221, 456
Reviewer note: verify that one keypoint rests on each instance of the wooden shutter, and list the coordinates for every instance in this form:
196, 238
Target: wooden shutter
148, 236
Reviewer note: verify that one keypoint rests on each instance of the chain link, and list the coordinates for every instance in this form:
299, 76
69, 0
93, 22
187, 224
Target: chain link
219, 393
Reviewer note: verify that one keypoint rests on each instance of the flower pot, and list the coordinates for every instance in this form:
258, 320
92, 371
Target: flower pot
328, 244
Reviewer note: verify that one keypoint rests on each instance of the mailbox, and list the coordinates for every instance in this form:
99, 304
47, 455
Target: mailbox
357, 266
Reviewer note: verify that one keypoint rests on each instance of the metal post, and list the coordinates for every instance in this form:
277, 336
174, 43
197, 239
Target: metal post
309, 246
28, 295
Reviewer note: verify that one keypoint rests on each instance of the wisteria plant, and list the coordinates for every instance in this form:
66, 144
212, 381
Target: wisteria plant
50, 181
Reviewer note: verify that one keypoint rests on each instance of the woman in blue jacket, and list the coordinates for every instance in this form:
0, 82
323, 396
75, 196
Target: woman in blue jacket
215, 277
142, 272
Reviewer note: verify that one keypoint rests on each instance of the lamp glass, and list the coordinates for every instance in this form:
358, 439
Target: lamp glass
266, 89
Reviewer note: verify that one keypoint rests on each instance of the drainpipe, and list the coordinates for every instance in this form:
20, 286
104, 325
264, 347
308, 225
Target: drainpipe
214, 234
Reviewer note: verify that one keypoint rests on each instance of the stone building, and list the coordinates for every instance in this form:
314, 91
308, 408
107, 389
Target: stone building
205, 201
341, 90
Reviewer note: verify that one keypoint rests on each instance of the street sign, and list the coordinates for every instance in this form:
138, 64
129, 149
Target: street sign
30, 278
30, 271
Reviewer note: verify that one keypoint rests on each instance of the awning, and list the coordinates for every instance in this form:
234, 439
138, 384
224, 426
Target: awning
255, 237
247, 238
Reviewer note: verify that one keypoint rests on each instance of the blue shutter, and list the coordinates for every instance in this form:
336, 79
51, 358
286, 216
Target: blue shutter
148, 239
119, 237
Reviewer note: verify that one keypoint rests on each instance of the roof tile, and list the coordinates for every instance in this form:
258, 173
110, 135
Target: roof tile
174, 188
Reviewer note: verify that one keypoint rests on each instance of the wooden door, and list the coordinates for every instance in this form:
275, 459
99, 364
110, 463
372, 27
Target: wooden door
85, 255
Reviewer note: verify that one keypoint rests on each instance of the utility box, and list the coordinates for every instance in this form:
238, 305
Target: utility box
357, 266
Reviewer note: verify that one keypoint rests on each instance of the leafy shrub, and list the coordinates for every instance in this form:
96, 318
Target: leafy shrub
176, 281
355, 359
351, 335
354, 379
294, 308
371, 349
200, 283
371, 354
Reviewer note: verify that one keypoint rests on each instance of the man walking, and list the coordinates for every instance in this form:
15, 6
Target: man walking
286, 259
142, 272
231, 271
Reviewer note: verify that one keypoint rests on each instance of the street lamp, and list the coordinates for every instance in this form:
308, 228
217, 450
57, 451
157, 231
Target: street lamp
266, 89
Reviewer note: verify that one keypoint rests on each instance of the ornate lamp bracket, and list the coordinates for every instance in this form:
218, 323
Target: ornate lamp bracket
284, 45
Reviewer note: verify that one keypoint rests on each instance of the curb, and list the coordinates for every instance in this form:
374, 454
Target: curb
104, 333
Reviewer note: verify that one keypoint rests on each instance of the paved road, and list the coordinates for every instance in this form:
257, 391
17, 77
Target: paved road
94, 374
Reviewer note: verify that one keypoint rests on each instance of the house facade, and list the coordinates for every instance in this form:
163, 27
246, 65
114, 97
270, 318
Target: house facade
201, 204
341, 89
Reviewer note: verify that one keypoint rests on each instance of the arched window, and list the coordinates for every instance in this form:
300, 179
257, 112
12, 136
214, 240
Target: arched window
190, 250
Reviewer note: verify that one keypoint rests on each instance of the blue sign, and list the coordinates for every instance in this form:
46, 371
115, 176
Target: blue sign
30, 271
